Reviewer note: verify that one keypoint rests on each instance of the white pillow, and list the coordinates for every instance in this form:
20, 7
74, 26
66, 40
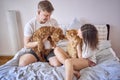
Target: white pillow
102, 32
74, 25
63, 27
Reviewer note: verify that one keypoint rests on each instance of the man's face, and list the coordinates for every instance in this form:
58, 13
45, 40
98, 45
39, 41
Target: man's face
43, 16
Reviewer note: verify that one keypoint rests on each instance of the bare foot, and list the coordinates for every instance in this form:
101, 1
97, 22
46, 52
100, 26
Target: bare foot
77, 74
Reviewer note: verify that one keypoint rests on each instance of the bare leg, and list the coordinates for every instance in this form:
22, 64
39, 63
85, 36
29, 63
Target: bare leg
53, 61
73, 64
76, 73
79, 63
68, 69
60, 54
26, 59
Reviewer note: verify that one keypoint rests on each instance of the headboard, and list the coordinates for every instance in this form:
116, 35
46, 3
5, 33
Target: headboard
108, 31
103, 31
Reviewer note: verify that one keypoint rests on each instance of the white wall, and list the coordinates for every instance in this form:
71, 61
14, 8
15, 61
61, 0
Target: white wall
93, 11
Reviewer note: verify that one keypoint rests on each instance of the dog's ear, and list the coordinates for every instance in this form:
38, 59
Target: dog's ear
63, 37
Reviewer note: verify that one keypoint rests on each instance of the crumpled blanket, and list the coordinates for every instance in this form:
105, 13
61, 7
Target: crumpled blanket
107, 68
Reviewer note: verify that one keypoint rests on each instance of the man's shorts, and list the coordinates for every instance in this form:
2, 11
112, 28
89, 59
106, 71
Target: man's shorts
51, 54
34, 54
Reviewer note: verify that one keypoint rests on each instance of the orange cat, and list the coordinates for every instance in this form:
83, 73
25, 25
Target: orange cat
71, 35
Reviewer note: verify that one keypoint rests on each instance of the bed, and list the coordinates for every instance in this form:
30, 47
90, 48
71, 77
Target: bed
107, 68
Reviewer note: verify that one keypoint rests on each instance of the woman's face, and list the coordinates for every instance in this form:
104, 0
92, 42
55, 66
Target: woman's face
80, 33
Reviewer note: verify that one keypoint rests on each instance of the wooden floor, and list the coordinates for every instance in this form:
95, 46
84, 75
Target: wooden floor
4, 59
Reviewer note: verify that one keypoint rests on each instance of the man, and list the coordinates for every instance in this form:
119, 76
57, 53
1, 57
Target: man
42, 18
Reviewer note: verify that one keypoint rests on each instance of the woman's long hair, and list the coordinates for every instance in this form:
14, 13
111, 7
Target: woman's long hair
90, 35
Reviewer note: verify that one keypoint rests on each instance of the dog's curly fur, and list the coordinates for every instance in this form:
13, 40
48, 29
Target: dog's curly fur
55, 34
74, 40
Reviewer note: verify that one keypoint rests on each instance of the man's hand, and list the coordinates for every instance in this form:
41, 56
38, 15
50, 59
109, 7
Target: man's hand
28, 44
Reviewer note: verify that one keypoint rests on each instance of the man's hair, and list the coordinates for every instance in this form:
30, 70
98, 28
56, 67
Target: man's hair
45, 5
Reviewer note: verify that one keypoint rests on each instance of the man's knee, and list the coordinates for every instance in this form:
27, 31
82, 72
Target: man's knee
22, 62
26, 59
54, 62
57, 49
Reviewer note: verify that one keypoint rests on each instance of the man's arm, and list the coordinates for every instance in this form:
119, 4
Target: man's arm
28, 44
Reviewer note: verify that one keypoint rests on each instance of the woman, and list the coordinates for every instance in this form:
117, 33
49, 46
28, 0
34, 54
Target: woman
86, 56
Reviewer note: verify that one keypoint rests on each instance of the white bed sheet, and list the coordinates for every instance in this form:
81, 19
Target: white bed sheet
107, 68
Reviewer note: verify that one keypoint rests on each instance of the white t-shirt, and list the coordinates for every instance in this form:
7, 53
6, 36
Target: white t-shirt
88, 53
33, 25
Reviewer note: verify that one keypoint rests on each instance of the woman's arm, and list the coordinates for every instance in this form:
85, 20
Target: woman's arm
79, 51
